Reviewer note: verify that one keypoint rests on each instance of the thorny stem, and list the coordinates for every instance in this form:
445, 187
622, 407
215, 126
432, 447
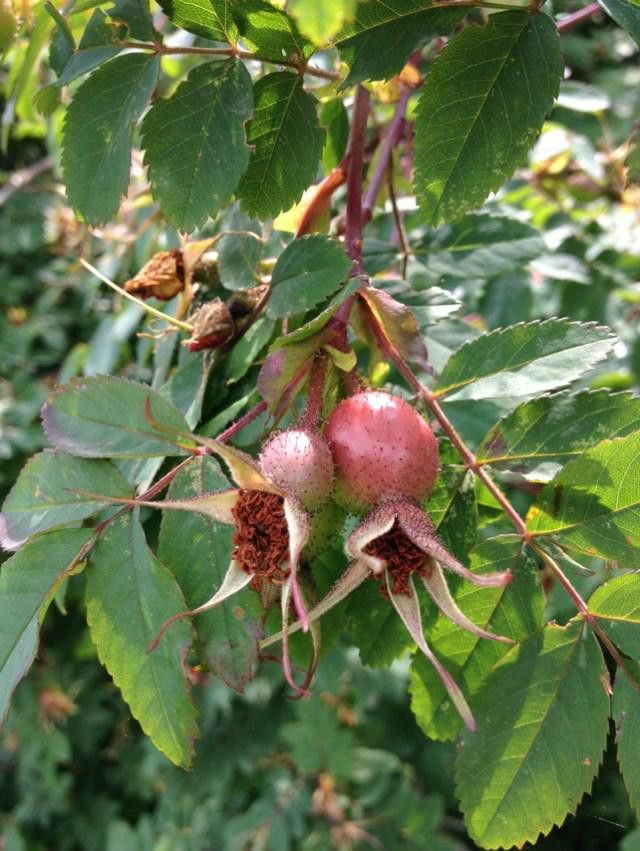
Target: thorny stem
386, 151
353, 229
311, 417
247, 418
576, 18
165, 50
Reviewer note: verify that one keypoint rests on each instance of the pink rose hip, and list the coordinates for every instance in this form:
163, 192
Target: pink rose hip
382, 449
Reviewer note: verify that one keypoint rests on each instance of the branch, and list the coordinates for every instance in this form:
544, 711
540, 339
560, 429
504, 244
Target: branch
382, 166
20, 178
353, 231
165, 50
576, 18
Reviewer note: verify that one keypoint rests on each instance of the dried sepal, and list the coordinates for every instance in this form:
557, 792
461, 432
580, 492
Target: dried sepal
161, 277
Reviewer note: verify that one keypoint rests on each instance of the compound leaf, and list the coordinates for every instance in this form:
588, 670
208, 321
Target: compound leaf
523, 359
592, 503
194, 142
197, 550
483, 104
515, 611
46, 493
307, 272
113, 417
543, 720
27, 581
287, 142
97, 133
129, 596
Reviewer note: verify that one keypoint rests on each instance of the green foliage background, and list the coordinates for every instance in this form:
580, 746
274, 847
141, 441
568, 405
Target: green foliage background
76, 772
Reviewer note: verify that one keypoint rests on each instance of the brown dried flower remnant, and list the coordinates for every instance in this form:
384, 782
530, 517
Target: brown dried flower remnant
261, 538
403, 559
162, 277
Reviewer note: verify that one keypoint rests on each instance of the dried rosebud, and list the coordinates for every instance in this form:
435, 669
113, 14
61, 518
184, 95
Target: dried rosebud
162, 277
213, 326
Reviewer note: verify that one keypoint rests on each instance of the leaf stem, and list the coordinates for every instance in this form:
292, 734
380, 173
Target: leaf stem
166, 50
311, 417
354, 222
244, 420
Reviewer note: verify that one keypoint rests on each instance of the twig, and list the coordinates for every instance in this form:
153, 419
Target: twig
382, 166
21, 178
315, 396
402, 237
166, 50
353, 231
247, 418
576, 18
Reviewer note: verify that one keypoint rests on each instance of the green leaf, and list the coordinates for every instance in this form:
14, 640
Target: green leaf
134, 14
626, 714
334, 118
27, 581
320, 20
374, 627
543, 720
270, 31
97, 133
466, 146
239, 253
478, 246
515, 610
559, 427
107, 416
616, 604
245, 352
384, 33
96, 47
524, 359
287, 143
129, 596
44, 494
307, 272
626, 13
194, 142
592, 504
208, 18
197, 551
62, 41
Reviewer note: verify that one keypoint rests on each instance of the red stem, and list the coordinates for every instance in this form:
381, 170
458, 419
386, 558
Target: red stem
391, 138
249, 417
353, 230
313, 410
578, 17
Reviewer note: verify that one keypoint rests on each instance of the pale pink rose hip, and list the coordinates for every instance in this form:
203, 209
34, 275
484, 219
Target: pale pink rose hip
382, 449
299, 462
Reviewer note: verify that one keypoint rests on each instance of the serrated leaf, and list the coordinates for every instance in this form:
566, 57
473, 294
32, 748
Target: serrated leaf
523, 360
135, 15
616, 604
27, 580
238, 251
270, 31
626, 715
384, 33
107, 416
45, 494
542, 729
515, 611
130, 594
287, 142
97, 133
197, 551
194, 142
374, 627
62, 41
208, 18
97, 45
320, 20
245, 352
307, 272
483, 104
626, 13
592, 503
559, 427
428, 306
479, 246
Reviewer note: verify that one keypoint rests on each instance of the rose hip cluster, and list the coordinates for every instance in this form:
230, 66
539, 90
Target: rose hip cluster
377, 458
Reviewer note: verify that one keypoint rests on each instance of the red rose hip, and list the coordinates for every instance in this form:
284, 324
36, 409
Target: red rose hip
382, 449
